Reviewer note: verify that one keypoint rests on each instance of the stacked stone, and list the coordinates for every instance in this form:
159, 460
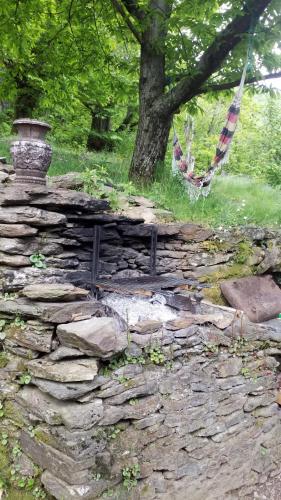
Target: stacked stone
169, 407
59, 224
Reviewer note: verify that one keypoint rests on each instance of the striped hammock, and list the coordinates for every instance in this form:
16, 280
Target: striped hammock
184, 163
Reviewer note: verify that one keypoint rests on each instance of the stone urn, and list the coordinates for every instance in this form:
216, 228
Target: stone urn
31, 154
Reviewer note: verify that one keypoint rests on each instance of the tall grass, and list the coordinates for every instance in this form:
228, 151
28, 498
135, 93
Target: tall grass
233, 200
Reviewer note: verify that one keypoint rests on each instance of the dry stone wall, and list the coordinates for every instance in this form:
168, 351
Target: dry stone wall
188, 408
185, 409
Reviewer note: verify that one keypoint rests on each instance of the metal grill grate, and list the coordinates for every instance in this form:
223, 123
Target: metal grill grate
142, 283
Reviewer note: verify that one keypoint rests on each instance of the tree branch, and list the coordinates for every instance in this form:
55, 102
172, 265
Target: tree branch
216, 87
133, 9
119, 8
212, 58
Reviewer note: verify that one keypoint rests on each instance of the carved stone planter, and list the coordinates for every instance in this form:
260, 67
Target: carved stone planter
31, 154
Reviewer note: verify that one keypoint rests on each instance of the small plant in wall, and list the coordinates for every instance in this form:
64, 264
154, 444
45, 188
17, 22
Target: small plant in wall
19, 323
155, 355
25, 379
38, 260
130, 476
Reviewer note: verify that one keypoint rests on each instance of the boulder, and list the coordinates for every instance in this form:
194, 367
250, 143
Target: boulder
54, 292
95, 337
258, 296
64, 371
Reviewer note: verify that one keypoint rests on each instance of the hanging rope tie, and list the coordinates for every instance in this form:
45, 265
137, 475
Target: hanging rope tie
185, 164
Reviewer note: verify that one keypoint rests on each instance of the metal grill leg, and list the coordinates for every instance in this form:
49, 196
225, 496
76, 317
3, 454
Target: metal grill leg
95, 259
153, 250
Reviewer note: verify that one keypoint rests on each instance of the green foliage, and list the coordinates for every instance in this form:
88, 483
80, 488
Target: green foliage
19, 323
2, 409
38, 260
130, 476
155, 355
244, 251
4, 359
25, 379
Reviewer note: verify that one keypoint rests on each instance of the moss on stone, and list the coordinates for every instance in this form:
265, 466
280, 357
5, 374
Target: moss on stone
4, 359
44, 437
12, 414
214, 295
243, 252
214, 246
233, 271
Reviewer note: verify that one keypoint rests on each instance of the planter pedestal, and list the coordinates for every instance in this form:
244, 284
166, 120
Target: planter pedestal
31, 154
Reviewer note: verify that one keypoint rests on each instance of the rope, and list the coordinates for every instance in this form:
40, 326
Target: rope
223, 147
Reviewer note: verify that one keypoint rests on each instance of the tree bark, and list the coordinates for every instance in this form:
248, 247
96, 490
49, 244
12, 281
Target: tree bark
153, 130
100, 127
27, 99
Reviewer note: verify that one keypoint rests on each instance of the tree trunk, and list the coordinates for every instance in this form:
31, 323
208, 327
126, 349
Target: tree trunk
150, 147
26, 100
153, 129
127, 123
100, 127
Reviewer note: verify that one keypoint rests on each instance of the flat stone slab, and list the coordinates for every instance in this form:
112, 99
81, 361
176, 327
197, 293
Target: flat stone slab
96, 336
34, 335
54, 199
16, 230
14, 260
65, 352
71, 414
69, 390
54, 292
60, 312
64, 371
30, 215
257, 296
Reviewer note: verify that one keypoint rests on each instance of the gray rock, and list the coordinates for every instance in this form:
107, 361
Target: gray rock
96, 337
65, 352
71, 180
14, 260
77, 444
60, 312
3, 177
34, 335
64, 371
67, 390
63, 490
30, 215
54, 292
23, 352
229, 367
71, 414
17, 230
28, 246
73, 471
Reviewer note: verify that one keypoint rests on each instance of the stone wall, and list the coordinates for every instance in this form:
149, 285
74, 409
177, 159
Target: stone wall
58, 224
184, 409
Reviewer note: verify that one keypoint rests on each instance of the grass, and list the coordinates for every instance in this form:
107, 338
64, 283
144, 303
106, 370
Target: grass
233, 200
